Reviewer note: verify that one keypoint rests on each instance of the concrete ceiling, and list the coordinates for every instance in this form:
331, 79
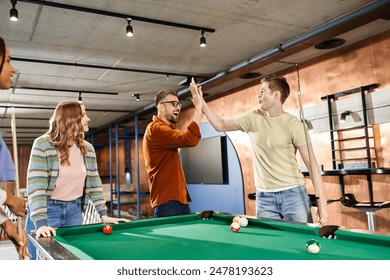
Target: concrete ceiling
61, 52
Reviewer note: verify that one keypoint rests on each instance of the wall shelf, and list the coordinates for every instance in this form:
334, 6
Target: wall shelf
337, 138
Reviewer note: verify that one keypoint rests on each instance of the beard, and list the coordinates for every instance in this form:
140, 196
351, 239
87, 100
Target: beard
173, 119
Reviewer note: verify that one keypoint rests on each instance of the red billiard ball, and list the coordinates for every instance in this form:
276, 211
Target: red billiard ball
235, 226
107, 229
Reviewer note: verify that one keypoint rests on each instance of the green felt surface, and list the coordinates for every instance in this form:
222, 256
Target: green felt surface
192, 238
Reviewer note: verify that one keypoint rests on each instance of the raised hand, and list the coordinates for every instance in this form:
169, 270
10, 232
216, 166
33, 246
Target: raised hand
197, 94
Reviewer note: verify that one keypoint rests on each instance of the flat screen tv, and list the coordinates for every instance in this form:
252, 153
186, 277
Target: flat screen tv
207, 162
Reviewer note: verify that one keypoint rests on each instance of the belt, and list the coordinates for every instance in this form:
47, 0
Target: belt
64, 201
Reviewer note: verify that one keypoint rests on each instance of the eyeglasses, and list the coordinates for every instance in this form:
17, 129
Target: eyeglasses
174, 103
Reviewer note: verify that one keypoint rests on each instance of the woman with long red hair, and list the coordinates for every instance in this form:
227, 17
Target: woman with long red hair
62, 175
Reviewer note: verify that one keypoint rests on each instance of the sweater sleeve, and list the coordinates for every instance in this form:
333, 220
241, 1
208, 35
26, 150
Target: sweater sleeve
93, 187
38, 181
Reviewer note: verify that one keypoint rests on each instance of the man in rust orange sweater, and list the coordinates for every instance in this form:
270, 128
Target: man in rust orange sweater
161, 143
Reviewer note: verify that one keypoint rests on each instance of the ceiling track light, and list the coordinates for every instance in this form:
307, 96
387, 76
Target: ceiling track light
129, 28
136, 96
13, 13
202, 39
118, 15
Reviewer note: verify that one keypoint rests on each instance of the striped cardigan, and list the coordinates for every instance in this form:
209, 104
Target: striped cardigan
42, 174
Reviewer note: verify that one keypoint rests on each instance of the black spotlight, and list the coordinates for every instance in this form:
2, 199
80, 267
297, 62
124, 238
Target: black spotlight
202, 39
13, 13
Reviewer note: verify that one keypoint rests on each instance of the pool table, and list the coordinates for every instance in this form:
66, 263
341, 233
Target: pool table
207, 236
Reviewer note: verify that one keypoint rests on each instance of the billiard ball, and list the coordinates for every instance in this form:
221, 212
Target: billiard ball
313, 246
107, 229
235, 226
236, 219
243, 221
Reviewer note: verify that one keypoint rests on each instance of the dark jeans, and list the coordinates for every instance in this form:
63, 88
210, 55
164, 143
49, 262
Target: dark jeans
171, 208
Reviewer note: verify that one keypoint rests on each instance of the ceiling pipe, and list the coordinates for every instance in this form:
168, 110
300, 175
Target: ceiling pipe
340, 25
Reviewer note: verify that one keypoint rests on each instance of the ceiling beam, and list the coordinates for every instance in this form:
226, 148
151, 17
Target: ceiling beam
53, 108
65, 90
105, 67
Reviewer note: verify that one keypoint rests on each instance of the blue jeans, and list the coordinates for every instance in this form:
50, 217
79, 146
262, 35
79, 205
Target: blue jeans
59, 214
290, 205
171, 208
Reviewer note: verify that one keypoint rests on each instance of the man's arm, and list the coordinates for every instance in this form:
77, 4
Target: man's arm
220, 124
17, 238
16, 204
315, 175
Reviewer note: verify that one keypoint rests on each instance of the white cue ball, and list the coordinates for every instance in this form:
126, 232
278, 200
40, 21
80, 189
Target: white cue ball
313, 246
243, 221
